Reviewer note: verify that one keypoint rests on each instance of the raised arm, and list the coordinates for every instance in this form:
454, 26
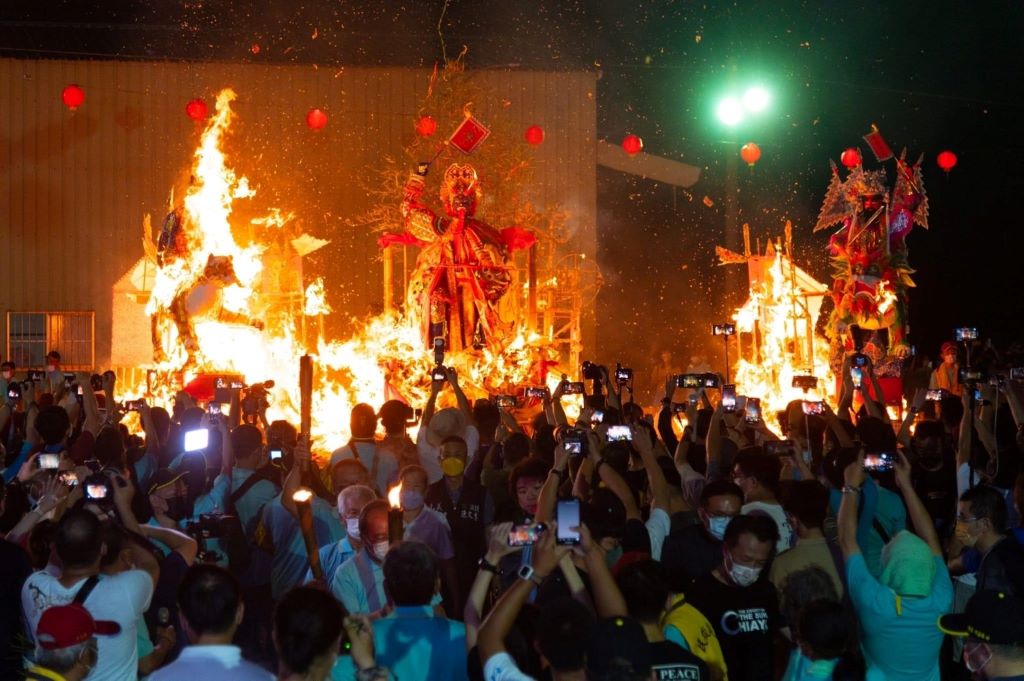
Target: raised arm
549, 492
922, 521
460, 397
847, 520
497, 548
903, 436
607, 597
431, 406
659, 485
174, 540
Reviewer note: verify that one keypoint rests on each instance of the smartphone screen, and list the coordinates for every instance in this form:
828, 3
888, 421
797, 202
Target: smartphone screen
729, 397
197, 439
935, 395
619, 434
567, 514
857, 376
813, 408
525, 535
96, 491
69, 478
753, 410
879, 462
49, 461
597, 417
276, 454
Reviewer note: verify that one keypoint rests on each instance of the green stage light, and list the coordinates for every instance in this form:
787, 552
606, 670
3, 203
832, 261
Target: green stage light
730, 111
756, 99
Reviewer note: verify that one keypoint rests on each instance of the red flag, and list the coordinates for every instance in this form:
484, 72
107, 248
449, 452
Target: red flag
469, 135
879, 147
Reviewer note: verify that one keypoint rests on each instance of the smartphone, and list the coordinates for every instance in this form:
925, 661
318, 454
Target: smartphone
567, 514
723, 329
679, 407
688, 381
597, 417
978, 397
780, 448
49, 462
966, 333
36, 376
133, 405
619, 434
752, 413
729, 397
505, 401
525, 535
710, 381
879, 463
439, 374
197, 440
68, 478
812, 408
537, 392
96, 492
573, 388
859, 359
857, 376
936, 395
276, 453
805, 382
623, 375
573, 445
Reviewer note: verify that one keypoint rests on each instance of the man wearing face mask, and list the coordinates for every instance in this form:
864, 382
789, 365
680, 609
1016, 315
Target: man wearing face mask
66, 647
430, 527
743, 608
992, 627
996, 559
359, 582
466, 506
695, 550
351, 502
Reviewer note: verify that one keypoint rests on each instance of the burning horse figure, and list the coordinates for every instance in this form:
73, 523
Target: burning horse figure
462, 272
871, 272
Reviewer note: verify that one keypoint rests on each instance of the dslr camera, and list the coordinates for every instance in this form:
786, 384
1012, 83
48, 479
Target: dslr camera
255, 399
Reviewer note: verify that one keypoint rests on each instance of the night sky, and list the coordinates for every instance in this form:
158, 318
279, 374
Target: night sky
931, 75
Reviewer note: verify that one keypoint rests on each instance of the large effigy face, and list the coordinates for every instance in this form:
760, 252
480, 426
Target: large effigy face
460, 189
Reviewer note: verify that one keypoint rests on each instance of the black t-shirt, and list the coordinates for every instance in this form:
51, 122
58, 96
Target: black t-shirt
688, 554
745, 620
1002, 568
672, 662
14, 570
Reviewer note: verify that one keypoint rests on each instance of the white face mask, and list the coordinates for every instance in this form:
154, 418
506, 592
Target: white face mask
352, 527
380, 549
741, 574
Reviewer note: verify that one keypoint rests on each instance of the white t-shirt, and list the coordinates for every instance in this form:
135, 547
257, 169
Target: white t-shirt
429, 453
658, 526
776, 513
211, 662
502, 667
121, 598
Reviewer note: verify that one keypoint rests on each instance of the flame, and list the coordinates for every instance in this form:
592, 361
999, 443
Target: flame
779, 337
385, 358
395, 496
302, 495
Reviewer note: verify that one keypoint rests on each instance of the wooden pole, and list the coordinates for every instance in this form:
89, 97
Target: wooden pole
305, 396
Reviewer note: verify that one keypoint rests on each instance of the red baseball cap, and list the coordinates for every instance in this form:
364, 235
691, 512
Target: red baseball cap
63, 626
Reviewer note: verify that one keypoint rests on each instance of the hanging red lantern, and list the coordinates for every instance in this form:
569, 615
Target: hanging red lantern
73, 96
425, 126
946, 160
196, 109
750, 153
632, 144
534, 135
316, 119
851, 157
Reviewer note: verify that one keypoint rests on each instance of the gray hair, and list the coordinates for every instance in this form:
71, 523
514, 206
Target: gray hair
62, 660
361, 491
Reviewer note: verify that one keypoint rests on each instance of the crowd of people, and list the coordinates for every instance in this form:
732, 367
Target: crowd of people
691, 543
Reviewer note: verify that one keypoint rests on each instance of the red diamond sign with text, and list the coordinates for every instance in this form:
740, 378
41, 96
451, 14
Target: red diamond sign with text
469, 135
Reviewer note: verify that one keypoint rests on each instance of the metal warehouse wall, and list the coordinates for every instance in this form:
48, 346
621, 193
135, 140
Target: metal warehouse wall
75, 186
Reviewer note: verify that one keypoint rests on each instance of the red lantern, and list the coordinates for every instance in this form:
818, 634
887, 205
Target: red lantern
851, 157
425, 126
632, 144
316, 119
196, 109
73, 96
946, 160
534, 135
750, 153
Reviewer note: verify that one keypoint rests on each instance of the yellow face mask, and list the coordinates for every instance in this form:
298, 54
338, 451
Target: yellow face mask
452, 466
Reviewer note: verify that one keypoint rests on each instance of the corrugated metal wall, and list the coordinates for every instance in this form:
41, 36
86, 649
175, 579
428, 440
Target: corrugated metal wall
76, 185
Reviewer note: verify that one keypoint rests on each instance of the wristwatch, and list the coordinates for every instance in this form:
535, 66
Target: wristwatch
528, 574
850, 489
486, 566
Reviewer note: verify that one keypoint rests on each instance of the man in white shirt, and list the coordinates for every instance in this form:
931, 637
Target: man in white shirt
757, 474
211, 607
121, 598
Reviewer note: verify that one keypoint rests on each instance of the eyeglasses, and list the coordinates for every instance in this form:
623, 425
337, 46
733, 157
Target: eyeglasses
966, 519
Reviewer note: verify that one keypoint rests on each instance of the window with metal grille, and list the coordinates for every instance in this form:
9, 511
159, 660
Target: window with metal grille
30, 335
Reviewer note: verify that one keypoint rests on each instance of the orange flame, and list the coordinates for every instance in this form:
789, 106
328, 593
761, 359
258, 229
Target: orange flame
395, 496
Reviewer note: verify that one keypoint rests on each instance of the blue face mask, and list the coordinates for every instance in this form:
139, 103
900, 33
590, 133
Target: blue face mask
717, 525
411, 500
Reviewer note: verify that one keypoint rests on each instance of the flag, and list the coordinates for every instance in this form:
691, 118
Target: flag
469, 135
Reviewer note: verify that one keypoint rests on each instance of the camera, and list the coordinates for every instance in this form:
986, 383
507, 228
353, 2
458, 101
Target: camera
966, 333
97, 489
805, 382
623, 375
573, 388
590, 371
812, 408
859, 359
936, 395
780, 448
723, 329
438, 374
505, 401
255, 400
541, 392
439, 348
879, 463
574, 443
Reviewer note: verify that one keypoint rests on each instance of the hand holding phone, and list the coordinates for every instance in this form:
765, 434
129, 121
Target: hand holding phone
567, 516
525, 535
729, 398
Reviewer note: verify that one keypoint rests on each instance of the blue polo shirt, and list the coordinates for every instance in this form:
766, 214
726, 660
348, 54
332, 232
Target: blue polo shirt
414, 644
332, 557
359, 584
290, 562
